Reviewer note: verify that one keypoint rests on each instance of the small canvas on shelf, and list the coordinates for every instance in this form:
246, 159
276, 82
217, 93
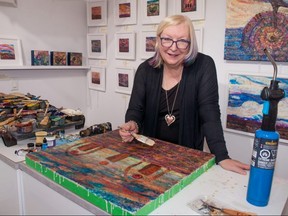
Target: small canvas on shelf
39, 57
74, 59
58, 58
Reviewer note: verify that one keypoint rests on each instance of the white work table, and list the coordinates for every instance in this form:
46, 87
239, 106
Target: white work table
227, 187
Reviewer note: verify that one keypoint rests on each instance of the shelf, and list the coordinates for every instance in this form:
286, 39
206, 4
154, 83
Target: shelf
45, 68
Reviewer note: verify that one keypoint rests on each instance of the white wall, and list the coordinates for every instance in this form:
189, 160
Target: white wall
61, 25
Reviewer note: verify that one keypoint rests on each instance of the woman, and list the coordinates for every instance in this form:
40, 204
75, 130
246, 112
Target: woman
175, 95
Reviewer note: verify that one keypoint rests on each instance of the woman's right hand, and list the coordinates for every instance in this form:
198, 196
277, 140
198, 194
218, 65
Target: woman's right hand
127, 129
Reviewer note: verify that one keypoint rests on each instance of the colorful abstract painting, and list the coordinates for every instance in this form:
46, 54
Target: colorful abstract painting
244, 111
252, 26
7, 51
121, 178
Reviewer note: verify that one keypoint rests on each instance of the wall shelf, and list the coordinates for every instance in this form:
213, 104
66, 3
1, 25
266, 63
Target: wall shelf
45, 68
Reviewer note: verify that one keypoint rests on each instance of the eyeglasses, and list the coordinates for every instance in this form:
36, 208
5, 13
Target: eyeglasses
180, 44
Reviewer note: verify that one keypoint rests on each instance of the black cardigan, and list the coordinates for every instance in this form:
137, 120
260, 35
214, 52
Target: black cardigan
199, 108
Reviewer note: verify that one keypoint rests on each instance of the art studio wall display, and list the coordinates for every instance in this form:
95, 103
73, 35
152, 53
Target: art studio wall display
244, 110
40, 57
148, 41
153, 11
194, 9
97, 12
199, 37
10, 51
252, 26
125, 12
96, 45
97, 78
124, 80
74, 58
58, 58
125, 45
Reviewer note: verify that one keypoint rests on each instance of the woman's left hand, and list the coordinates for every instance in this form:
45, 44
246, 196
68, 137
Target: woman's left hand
235, 166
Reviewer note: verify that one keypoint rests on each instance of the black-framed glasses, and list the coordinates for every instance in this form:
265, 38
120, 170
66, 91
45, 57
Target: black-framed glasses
180, 44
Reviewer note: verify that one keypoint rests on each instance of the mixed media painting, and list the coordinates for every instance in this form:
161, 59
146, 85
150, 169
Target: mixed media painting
10, 51
125, 12
97, 78
252, 26
121, 178
124, 80
97, 13
244, 110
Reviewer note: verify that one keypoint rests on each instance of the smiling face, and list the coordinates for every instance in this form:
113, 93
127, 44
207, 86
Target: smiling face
172, 56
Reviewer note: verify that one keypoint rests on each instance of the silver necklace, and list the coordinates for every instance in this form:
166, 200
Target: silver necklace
169, 117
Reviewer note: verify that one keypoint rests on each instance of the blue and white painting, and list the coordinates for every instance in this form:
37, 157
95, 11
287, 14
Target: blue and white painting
252, 26
244, 110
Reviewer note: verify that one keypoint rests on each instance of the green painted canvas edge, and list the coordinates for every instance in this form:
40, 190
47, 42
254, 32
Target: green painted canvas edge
76, 189
175, 189
109, 207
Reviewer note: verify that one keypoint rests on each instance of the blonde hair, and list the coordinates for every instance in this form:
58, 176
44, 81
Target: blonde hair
174, 20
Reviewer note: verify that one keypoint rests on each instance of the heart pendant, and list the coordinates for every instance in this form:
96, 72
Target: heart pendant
169, 119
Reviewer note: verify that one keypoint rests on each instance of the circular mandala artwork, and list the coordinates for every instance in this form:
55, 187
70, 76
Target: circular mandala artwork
266, 30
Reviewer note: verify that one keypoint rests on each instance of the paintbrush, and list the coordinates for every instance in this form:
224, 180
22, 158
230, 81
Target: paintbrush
140, 138
11, 119
45, 120
227, 211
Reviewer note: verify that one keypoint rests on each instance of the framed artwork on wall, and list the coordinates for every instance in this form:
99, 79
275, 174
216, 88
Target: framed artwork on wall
125, 12
148, 41
153, 11
40, 57
124, 80
58, 58
245, 105
10, 51
194, 9
97, 78
97, 12
254, 26
199, 37
125, 45
96, 46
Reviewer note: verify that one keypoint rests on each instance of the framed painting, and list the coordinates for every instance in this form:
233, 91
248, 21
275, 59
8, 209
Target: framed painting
125, 12
252, 26
10, 51
125, 45
153, 11
148, 41
58, 58
74, 58
199, 37
96, 45
97, 78
124, 80
244, 109
97, 13
194, 9
40, 57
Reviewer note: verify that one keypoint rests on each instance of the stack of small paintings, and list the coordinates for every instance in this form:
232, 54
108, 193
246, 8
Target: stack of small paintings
56, 58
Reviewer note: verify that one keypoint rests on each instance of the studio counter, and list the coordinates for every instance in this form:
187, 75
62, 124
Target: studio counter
25, 191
